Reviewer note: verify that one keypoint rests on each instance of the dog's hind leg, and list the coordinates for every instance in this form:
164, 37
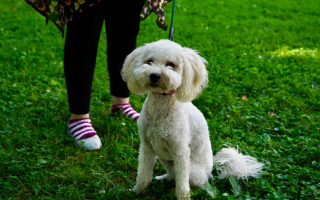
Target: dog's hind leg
199, 175
168, 166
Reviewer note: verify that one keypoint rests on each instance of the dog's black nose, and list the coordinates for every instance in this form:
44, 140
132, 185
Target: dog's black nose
155, 77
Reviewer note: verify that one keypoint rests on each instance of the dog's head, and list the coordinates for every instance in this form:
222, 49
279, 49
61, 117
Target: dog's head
163, 66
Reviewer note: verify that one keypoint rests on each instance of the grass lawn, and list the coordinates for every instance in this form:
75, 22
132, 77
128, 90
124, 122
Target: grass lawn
263, 95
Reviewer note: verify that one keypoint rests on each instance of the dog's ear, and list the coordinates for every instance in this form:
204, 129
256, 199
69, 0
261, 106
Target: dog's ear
195, 76
132, 61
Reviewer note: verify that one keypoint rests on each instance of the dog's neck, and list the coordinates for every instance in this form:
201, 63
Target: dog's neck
158, 107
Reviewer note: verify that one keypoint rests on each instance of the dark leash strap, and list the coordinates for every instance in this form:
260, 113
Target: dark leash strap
172, 17
47, 2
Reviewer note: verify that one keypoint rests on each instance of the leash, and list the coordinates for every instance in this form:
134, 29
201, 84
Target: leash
172, 17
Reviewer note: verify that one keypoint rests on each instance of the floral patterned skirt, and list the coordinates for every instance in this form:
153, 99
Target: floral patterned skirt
60, 12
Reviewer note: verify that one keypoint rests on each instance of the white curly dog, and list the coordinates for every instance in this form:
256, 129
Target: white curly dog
171, 128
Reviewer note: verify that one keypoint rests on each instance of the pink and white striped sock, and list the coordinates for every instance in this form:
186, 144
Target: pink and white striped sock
126, 109
81, 128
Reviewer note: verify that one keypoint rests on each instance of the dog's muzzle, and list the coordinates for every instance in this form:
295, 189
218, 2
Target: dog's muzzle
154, 77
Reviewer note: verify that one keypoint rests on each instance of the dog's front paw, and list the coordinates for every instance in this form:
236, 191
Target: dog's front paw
184, 197
138, 190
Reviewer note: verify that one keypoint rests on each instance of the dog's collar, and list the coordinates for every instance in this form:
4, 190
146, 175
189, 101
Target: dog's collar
164, 94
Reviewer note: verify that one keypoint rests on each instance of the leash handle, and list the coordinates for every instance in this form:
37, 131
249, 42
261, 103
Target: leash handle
172, 17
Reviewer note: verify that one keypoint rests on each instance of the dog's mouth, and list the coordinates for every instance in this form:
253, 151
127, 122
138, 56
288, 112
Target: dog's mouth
154, 85
157, 87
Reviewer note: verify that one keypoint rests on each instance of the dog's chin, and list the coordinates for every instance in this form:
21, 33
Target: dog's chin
155, 88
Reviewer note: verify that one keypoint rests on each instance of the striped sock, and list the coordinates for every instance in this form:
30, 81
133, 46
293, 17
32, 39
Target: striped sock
126, 109
81, 128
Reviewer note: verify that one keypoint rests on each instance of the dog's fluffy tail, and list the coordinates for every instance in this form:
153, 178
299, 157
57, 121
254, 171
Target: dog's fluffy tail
229, 162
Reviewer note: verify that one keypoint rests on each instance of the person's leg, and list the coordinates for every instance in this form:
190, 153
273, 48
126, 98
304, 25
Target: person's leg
80, 53
79, 62
122, 31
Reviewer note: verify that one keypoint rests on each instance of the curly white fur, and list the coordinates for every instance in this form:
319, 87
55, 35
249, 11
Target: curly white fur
232, 163
171, 128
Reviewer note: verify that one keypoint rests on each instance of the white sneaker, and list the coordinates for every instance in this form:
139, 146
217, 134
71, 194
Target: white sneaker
90, 144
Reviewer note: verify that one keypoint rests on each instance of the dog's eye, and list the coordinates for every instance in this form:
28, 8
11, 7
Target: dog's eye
149, 62
170, 64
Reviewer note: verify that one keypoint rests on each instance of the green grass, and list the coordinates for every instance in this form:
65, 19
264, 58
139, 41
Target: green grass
279, 122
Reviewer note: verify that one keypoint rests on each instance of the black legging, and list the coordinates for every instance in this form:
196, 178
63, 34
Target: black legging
122, 27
